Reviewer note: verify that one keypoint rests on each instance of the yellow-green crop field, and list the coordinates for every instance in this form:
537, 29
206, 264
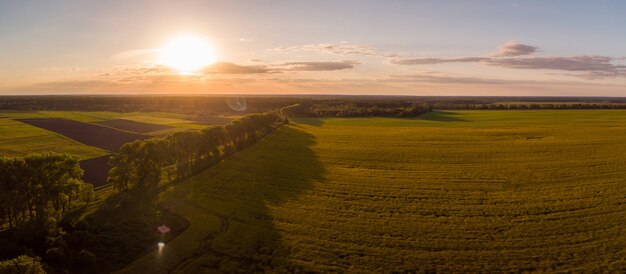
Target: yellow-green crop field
451, 191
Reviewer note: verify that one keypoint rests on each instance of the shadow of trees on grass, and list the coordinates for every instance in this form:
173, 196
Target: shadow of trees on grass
442, 116
228, 207
310, 121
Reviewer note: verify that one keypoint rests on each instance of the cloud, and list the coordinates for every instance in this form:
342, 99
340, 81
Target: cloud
64, 69
444, 79
572, 63
231, 68
135, 71
337, 49
508, 49
508, 56
513, 48
589, 67
429, 61
319, 66
600, 66
449, 79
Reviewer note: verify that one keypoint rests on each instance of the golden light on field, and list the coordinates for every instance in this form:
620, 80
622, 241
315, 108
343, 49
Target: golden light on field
187, 54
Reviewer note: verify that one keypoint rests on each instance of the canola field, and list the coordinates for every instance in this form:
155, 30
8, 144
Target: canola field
449, 191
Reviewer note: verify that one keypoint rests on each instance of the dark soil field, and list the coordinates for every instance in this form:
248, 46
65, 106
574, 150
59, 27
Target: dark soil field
89, 134
132, 126
96, 170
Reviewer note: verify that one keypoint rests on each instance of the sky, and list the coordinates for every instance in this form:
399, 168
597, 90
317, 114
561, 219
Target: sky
444, 48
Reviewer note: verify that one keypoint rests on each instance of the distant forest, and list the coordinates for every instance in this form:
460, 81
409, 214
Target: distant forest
310, 105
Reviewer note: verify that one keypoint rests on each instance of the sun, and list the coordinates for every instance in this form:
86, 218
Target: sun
187, 54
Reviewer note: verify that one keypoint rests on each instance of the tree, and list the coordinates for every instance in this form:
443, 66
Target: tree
139, 165
38, 188
22, 265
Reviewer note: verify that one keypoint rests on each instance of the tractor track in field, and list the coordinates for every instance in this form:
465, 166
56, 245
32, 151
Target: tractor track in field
205, 245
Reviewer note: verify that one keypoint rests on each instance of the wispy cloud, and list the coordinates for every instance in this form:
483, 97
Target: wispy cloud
337, 49
450, 79
135, 54
429, 61
341, 48
513, 48
319, 66
64, 69
592, 65
231, 68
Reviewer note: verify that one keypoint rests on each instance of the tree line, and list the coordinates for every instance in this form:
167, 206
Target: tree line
37, 189
358, 108
141, 165
533, 105
192, 105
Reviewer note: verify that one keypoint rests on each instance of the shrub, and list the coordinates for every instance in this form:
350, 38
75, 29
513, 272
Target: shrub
22, 264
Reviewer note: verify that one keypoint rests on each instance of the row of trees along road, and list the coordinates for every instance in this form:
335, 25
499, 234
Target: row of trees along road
37, 189
140, 165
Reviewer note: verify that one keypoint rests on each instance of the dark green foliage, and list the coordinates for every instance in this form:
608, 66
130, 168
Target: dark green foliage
530, 105
139, 165
37, 189
22, 265
356, 108
201, 105
118, 233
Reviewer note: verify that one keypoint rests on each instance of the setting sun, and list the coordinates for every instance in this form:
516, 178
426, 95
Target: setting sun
187, 54
359, 136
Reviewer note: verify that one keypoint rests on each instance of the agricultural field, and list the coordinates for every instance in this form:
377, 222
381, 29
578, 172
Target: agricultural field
90, 135
18, 139
449, 191
170, 122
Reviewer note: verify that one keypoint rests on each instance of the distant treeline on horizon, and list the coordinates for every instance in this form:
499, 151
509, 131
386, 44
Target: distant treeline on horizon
219, 104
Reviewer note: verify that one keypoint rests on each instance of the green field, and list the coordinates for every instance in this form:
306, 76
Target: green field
18, 139
476, 191
177, 121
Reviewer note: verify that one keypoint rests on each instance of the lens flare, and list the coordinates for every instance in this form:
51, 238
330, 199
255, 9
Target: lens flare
163, 229
161, 245
237, 103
